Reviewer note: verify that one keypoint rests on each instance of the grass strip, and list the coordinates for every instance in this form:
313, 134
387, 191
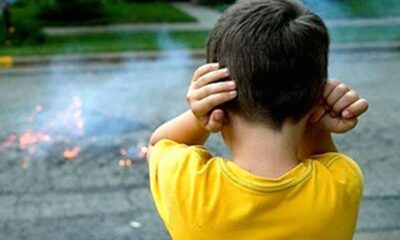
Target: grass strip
146, 13
114, 14
149, 41
111, 42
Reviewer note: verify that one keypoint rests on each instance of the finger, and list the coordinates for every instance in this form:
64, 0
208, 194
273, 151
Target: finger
205, 69
198, 94
346, 100
345, 125
216, 121
338, 124
330, 85
211, 77
214, 88
205, 105
338, 92
356, 109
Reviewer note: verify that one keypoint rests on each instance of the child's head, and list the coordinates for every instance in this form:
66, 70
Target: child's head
277, 52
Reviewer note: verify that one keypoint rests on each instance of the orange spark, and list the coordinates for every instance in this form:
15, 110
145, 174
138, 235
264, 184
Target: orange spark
128, 162
121, 163
8, 142
142, 150
29, 138
125, 163
72, 153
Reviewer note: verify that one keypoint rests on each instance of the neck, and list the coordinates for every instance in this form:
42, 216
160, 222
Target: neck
264, 151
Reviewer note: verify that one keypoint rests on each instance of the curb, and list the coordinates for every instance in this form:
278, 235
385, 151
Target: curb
9, 61
6, 61
31, 61
366, 47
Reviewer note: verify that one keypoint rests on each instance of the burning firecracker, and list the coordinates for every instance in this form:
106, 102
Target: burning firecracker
63, 128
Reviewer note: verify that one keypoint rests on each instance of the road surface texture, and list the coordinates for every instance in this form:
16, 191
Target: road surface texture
72, 140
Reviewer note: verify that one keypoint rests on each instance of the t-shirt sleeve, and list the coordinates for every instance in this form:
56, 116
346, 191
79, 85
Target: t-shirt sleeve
345, 170
172, 167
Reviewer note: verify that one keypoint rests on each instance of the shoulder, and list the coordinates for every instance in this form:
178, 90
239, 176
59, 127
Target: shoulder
336, 160
167, 153
343, 170
165, 146
171, 162
177, 172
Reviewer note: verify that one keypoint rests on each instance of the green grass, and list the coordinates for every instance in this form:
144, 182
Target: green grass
94, 43
146, 41
145, 13
115, 13
221, 7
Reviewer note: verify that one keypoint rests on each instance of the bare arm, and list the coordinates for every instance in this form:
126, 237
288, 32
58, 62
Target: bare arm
184, 128
204, 96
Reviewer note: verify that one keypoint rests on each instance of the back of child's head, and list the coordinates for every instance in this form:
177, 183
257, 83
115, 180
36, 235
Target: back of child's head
277, 52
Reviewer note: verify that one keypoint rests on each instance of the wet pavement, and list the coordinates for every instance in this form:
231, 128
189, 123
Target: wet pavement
72, 140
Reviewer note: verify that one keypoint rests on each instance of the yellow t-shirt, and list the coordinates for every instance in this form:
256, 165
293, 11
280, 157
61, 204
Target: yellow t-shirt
199, 196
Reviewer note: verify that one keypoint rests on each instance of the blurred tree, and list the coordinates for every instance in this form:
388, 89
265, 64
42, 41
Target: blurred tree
6, 27
17, 31
209, 2
70, 10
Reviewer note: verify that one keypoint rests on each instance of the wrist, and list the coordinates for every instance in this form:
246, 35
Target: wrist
196, 127
200, 123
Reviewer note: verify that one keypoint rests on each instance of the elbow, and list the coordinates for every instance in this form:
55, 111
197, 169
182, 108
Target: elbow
152, 141
148, 154
150, 146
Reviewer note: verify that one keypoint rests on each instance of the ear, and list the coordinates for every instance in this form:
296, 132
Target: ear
216, 120
316, 113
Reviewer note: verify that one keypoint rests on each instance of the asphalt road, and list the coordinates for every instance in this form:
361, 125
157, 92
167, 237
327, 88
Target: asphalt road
71, 141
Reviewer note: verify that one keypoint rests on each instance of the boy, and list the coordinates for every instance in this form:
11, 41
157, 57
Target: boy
286, 179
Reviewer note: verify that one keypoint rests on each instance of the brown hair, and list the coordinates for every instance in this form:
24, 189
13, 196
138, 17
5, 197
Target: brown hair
277, 52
